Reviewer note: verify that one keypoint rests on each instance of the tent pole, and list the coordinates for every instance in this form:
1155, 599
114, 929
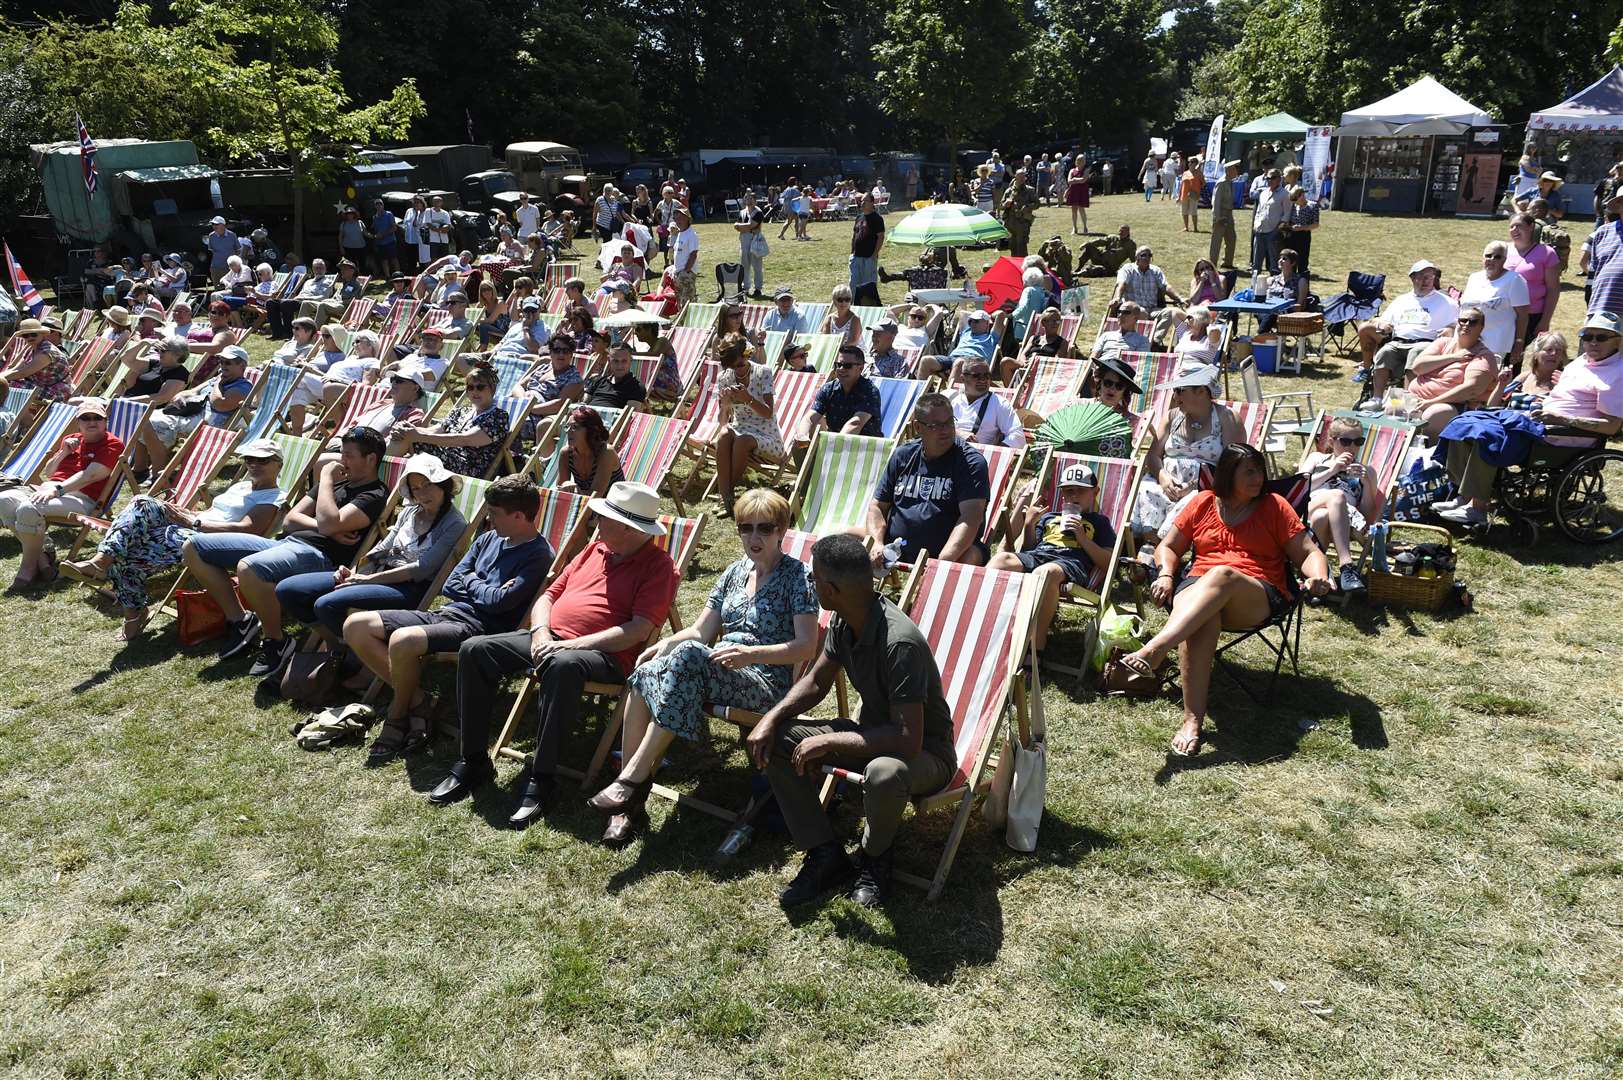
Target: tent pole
1363, 190
1425, 179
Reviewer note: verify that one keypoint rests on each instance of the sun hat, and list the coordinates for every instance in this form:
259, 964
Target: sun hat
92, 406
1550, 176
118, 315
51, 322
1604, 320
261, 448
1422, 264
30, 326
427, 466
154, 313
1078, 475
631, 504
1112, 362
1201, 377
305, 321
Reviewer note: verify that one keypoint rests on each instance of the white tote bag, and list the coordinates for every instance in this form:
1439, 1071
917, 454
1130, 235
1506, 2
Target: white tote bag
1030, 780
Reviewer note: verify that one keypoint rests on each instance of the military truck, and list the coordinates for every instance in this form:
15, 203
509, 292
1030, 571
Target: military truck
150, 196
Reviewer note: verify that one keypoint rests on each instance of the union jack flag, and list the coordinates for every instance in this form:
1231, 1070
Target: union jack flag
27, 295
87, 156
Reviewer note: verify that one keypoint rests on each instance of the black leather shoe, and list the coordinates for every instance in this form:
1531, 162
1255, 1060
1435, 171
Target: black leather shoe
873, 879
465, 776
536, 801
824, 868
623, 828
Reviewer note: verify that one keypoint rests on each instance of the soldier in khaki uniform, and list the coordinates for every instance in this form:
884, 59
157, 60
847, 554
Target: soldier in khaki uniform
1223, 215
1103, 257
1019, 209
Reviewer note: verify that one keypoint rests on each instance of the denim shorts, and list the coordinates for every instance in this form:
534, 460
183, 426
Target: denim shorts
271, 560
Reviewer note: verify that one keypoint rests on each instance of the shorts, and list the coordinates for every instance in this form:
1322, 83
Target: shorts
169, 428
271, 560
306, 392
1396, 356
445, 632
1278, 602
1078, 567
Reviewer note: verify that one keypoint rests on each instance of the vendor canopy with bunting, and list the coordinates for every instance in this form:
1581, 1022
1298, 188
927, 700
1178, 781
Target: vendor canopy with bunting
1597, 107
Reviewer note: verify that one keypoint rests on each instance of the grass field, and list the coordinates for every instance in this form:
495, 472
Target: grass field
1409, 866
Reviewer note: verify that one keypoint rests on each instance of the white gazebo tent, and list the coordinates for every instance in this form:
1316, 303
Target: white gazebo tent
1590, 124
1423, 110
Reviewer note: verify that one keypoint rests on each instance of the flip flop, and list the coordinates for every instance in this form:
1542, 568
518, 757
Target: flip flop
1191, 751
133, 626
1137, 666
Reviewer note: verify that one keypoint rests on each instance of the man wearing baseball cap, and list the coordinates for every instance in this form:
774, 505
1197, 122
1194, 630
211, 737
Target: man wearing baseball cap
784, 316
1066, 542
883, 359
588, 626
525, 337
1390, 341
76, 475
978, 337
222, 244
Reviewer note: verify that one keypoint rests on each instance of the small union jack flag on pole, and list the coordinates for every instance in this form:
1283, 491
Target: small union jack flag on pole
27, 295
87, 156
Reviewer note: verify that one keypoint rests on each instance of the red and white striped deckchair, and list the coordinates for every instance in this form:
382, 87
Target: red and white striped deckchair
557, 301
755, 314
1049, 385
1151, 370
1386, 445
357, 314
358, 400
648, 446
1003, 465
555, 274
88, 366
978, 623
401, 316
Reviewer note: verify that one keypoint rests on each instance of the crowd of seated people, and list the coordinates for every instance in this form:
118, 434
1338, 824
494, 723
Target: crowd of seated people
1227, 554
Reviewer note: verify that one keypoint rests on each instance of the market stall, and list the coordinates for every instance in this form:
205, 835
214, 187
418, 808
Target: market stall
1585, 134
1246, 142
1405, 153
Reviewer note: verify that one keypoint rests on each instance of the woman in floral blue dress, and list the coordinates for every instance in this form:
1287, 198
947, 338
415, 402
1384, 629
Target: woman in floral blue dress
760, 621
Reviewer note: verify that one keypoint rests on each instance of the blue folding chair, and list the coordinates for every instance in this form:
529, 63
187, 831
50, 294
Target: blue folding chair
1361, 301
896, 400
47, 433
276, 384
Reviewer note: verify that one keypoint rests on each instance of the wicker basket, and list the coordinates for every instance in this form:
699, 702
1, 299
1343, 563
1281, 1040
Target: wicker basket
1400, 590
1302, 323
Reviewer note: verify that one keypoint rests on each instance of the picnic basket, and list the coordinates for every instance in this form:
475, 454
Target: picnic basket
1395, 589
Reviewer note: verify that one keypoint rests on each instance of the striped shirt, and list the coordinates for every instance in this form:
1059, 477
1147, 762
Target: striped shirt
1605, 268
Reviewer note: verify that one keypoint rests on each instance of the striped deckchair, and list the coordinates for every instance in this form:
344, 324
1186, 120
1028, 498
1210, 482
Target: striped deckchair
270, 397
681, 540
690, 346
814, 314
38, 445
1003, 465
555, 274
837, 481
648, 445
1386, 446
755, 314
1151, 371
1110, 323
896, 400
18, 399
401, 316
697, 316
772, 347
821, 349
183, 480
557, 301
88, 365
510, 372
357, 314
124, 419
298, 454
518, 410
978, 625
1049, 385
291, 283
545, 462
358, 400
869, 315
77, 325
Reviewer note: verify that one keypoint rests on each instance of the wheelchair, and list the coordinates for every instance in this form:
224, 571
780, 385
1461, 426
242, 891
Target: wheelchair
1576, 489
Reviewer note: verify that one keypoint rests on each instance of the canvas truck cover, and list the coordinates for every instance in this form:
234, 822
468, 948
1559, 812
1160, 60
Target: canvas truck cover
91, 218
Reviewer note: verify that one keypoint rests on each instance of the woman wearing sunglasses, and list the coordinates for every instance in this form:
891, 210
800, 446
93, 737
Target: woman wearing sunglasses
760, 621
1453, 374
1339, 503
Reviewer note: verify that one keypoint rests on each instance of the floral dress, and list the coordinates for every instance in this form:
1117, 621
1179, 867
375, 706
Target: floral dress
746, 421
679, 684
471, 460
54, 381
667, 383
143, 540
1183, 458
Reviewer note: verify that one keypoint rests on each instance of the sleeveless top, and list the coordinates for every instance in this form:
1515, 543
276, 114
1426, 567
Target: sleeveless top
1206, 449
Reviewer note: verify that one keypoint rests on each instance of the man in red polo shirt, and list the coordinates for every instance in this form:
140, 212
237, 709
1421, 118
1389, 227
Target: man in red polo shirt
588, 626
78, 472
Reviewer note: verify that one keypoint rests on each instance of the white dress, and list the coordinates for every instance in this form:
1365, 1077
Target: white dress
746, 421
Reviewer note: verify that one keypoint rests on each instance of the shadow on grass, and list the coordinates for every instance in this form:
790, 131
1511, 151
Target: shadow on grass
1241, 732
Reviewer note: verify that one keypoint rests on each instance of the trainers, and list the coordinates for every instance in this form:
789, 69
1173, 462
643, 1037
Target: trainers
272, 655
1444, 504
1361, 375
1351, 581
240, 636
873, 879
824, 868
1465, 514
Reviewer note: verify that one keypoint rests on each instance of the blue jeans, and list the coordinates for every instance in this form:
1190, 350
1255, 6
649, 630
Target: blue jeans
271, 560
311, 598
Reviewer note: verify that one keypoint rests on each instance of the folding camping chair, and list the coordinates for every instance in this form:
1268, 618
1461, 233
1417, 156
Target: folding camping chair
729, 282
1303, 420
681, 540
836, 481
1360, 301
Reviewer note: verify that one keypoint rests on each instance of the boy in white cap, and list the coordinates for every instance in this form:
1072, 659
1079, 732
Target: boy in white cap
1070, 545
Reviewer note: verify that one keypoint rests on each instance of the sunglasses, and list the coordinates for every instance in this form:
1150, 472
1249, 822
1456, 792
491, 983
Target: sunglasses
1112, 384
1359, 441
756, 528
935, 425
1596, 337
480, 386
846, 364
1468, 322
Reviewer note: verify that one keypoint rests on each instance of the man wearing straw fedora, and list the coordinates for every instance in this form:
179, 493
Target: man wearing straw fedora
587, 626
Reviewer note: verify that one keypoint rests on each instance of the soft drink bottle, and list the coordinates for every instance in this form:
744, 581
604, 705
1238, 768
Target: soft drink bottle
1377, 545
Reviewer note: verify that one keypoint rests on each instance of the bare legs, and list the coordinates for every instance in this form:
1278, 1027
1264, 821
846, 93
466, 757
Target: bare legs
642, 743
397, 660
1220, 599
732, 462
1327, 516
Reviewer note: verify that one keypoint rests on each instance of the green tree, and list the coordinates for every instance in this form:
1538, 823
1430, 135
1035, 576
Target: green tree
1095, 72
945, 62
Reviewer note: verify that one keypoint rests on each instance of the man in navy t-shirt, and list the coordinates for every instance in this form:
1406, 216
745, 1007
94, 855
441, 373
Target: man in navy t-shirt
849, 402
932, 495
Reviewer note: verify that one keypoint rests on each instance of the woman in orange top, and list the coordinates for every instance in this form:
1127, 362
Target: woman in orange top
1241, 537
1189, 188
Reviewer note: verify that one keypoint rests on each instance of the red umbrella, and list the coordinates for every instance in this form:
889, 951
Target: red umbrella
1002, 284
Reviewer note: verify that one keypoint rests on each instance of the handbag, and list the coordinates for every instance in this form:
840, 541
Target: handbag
1120, 679
310, 677
1029, 785
759, 247
200, 618
185, 408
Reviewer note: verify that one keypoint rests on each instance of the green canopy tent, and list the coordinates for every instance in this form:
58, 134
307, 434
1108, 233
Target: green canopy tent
1275, 127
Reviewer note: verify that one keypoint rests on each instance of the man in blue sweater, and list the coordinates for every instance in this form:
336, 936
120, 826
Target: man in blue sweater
489, 592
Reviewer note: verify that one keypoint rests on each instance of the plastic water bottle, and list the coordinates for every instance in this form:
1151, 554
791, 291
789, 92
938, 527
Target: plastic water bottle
1377, 545
893, 555
737, 840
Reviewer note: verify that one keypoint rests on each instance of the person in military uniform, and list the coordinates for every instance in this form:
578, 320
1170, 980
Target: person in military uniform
1019, 209
1058, 257
1223, 215
1103, 257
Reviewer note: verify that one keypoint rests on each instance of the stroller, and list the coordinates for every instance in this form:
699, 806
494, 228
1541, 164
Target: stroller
1361, 301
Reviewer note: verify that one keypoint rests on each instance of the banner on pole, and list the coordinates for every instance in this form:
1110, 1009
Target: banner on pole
1212, 166
1315, 159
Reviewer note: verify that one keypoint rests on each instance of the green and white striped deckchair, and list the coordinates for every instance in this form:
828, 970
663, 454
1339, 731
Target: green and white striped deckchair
837, 481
